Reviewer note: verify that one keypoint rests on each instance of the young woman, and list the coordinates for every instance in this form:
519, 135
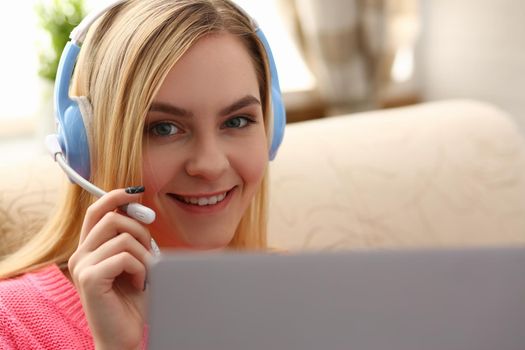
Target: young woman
178, 100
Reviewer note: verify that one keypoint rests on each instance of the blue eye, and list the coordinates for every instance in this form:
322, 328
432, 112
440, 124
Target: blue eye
164, 129
237, 122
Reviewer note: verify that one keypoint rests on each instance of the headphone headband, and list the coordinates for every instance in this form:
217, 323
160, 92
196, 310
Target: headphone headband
78, 34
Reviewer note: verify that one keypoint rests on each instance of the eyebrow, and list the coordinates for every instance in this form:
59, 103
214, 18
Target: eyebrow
246, 101
168, 108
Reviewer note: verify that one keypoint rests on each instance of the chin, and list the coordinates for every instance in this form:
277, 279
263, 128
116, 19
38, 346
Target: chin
216, 243
209, 247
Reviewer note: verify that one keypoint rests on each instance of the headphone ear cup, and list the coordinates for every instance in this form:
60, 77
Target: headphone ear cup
279, 121
279, 111
71, 131
73, 137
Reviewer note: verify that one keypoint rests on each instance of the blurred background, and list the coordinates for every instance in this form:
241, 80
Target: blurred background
333, 56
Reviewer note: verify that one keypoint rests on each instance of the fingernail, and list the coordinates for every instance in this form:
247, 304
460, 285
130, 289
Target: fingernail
135, 189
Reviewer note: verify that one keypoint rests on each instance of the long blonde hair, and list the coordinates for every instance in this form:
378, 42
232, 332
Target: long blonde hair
123, 61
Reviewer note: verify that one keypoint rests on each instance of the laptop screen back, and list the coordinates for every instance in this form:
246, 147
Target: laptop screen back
471, 299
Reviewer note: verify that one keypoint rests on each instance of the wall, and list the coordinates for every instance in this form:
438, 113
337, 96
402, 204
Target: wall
474, 48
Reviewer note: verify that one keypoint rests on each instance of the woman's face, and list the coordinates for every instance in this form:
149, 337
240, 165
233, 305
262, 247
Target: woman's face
205, 147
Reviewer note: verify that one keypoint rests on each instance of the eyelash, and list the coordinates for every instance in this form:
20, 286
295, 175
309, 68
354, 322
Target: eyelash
153, 128
246, 119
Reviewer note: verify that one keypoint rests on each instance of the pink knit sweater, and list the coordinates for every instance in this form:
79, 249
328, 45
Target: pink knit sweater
42, 310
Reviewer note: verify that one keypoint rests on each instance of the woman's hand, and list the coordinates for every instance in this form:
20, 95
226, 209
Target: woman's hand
109, 271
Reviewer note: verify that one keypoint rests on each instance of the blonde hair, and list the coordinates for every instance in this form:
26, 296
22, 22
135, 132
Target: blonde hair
122, 64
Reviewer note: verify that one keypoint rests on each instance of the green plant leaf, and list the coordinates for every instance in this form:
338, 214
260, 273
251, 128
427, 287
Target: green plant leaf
57, 18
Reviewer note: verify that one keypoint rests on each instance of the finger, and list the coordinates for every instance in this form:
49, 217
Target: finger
112, 225
99, 278
124, 242
111, 201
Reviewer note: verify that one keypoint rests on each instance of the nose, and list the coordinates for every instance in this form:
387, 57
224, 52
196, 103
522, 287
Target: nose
207, 159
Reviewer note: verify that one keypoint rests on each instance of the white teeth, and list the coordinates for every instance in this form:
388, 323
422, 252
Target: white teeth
202, 201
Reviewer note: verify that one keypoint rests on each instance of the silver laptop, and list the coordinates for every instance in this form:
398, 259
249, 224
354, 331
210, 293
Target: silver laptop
447, 299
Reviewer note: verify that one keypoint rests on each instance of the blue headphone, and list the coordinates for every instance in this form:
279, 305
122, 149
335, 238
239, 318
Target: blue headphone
72, 134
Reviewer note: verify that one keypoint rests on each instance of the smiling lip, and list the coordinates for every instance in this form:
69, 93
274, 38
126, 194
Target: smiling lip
203, 203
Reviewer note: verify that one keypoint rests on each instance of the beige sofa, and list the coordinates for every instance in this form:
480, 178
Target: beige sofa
448, 173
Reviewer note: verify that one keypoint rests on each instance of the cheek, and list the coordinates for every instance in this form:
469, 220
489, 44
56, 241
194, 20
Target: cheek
157, 172
252, 162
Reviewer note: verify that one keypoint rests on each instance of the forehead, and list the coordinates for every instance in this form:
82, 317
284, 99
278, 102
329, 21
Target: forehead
217, 68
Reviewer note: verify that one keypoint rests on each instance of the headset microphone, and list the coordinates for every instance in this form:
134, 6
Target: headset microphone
135, 210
